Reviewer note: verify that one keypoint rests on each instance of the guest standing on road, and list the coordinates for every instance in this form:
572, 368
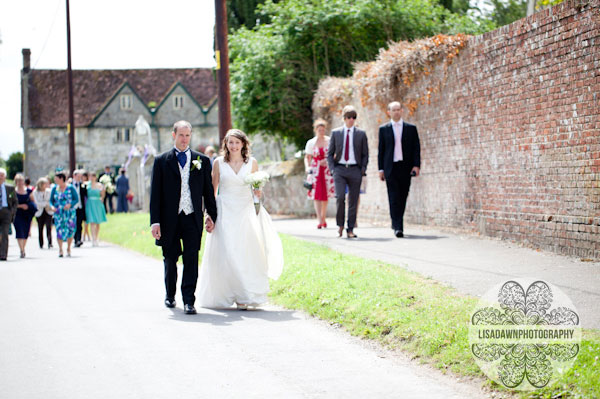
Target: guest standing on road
109, 185
348, 157
399, 160
95, 213
44, 213
63, 199
122, 184
8, 209
318, 173
80, 207
25, 211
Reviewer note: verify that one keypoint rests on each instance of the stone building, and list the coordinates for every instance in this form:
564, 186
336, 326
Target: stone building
107, 104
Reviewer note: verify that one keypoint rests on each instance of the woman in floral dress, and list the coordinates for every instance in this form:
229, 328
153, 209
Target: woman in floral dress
319, 175
63, 199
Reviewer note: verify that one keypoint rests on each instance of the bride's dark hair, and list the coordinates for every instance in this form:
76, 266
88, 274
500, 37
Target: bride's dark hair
238, 134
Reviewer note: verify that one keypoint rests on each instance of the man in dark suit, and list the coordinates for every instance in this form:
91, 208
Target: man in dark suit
399, 159
8, 210
80, 207
108, 197
347, 158
181, 180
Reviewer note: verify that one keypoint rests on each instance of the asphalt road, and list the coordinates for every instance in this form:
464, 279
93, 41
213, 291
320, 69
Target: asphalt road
94, 326
471, 264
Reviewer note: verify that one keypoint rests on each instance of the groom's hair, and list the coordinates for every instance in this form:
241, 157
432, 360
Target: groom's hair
179, 124
349, 111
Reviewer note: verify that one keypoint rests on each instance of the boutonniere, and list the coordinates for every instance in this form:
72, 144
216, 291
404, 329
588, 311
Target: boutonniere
197, 164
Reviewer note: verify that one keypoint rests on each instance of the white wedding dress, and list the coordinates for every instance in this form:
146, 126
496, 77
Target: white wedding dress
243, 250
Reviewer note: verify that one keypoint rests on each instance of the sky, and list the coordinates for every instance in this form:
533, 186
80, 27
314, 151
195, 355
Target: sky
111, 34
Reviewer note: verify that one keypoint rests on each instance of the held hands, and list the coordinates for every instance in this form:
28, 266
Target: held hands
156, 232
381, 176
257, 192
23, 206
67, 207
210, 225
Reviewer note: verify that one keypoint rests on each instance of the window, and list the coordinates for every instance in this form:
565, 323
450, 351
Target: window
126, 101
177, 102
123, 135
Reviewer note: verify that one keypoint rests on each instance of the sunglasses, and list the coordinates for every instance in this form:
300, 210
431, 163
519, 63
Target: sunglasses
351, 117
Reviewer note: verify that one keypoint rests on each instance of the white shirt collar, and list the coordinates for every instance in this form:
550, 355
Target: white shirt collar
186, 150
401, 121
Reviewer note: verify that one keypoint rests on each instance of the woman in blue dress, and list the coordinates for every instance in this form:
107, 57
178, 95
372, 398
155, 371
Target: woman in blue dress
63, 199
94, 207
25, 211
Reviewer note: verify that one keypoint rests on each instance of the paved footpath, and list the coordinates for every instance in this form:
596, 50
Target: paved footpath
471, 264
94, 326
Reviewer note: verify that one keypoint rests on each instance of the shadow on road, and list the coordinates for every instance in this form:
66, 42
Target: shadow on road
224, 317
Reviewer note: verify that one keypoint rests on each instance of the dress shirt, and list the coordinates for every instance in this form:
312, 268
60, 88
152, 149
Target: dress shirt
4, 197
397, 127
348, 136
77, 186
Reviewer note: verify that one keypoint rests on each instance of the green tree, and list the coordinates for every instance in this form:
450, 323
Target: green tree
507, 11
14, 164
243, 13
276, 67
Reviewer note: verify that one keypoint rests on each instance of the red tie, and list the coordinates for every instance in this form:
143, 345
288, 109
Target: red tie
347, 149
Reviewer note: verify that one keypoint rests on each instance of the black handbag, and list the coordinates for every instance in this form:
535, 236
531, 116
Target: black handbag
307, 185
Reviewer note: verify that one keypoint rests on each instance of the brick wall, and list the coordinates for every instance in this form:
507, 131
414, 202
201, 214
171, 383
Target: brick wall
510, 134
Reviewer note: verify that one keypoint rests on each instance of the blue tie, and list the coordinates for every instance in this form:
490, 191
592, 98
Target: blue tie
182, 158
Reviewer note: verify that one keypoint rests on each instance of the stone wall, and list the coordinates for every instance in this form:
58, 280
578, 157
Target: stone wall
510, 132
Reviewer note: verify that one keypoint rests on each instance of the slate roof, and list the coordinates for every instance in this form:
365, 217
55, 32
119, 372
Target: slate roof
48, 102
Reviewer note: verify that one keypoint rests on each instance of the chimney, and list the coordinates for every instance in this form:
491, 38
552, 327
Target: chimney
26, 60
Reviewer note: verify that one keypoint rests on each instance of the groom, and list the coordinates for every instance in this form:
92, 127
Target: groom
181, 179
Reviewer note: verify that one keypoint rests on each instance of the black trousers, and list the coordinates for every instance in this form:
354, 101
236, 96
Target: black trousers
398, 185
188, 234
5, 219
44, 220
80, 213
342, 177
108, 202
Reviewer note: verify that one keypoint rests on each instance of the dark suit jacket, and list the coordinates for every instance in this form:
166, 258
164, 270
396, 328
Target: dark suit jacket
336, 148
411, 147
166, 190
82, 195
11, 201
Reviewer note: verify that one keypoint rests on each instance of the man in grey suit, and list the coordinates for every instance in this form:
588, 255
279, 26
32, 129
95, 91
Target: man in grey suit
8, 209
348, 157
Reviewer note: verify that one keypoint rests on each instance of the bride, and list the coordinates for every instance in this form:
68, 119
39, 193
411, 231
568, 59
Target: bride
243, 250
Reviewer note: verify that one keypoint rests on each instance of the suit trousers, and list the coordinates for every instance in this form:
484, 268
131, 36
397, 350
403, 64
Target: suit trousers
342, 177
398, 185
5, 217
44, 220
186, 232
80, 213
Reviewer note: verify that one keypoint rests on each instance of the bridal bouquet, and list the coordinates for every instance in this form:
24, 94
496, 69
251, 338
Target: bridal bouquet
107, 183
256, 180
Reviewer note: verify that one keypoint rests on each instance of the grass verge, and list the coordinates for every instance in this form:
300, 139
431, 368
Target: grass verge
383, 302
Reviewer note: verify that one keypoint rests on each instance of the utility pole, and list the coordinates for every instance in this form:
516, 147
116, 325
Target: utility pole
71, 125
222, 57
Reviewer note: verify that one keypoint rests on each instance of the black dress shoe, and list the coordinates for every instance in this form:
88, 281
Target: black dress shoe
78, 244
351, 235
170, 303
398, 233
189, 309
